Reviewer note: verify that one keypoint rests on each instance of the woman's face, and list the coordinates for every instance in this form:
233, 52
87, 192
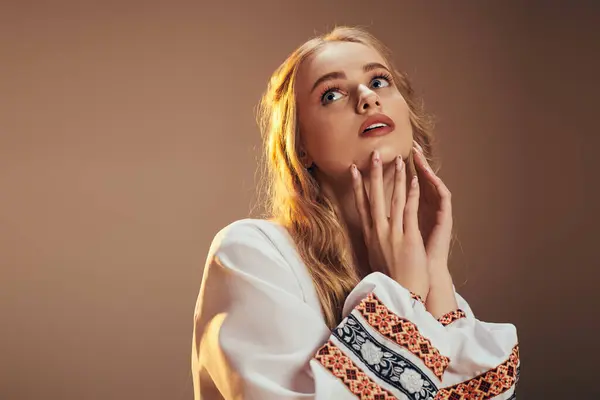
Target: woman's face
340, 90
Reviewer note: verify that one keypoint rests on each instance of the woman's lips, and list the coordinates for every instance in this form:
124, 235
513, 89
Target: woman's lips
384, 130
377, 125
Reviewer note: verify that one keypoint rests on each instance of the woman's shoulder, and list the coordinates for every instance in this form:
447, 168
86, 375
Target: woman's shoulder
268, 231
262, 225
260, 234
265, 250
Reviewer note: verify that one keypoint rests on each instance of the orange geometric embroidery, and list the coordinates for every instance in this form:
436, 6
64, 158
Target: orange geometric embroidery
487, 385
417, 297
452, 316
332, 358
403, 332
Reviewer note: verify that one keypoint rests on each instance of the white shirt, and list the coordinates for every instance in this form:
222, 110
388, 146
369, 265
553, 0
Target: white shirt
259, 333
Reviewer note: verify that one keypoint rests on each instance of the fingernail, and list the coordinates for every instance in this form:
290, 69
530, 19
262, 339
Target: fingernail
354, 171
375, 157
414, 181
399, 163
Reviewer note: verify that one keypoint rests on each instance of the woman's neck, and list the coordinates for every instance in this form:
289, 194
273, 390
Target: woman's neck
341, 195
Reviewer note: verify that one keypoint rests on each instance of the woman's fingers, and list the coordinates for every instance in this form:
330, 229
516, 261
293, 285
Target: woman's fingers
418, 146
411, 209
398, 197
376, 196
361, 201
428, 177
439, 186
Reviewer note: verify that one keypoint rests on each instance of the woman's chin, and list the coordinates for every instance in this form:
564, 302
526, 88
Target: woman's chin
389, 152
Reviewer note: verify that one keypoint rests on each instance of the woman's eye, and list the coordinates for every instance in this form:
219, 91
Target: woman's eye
379, 83
331, 96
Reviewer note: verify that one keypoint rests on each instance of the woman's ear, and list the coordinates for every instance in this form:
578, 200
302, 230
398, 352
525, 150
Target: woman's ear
305, 159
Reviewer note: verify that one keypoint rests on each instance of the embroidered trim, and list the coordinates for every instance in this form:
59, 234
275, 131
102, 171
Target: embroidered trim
403, 332
383, 362
332, 358
417, 297
452, 316
487, 385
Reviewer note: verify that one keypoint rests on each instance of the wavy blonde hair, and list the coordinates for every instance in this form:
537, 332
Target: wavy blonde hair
293, 195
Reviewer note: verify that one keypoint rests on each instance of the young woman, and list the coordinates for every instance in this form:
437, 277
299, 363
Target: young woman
345, 291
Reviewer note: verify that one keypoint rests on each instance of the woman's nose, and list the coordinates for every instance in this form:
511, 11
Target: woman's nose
367, 99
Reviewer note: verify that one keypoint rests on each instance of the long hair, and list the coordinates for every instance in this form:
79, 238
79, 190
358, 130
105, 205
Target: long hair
293, 195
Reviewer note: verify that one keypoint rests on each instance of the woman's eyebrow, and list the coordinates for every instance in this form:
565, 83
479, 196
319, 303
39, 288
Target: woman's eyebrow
328, 77
340, 75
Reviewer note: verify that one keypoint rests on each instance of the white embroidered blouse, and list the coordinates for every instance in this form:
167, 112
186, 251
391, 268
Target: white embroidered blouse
259, 333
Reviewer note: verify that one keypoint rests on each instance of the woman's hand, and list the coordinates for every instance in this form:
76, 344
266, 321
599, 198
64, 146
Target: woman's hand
435, 211
394, 244
435, 217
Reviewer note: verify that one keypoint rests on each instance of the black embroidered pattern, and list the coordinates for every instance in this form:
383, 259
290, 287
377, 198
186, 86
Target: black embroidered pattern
385, 363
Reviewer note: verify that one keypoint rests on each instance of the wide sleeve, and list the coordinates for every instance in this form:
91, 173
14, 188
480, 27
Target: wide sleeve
256, 337
400, 351
254, 334
485, 356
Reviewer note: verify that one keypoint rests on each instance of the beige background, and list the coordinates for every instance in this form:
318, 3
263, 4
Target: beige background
127, 139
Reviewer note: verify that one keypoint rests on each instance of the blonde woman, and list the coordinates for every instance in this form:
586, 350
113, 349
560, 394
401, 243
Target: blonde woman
344, 292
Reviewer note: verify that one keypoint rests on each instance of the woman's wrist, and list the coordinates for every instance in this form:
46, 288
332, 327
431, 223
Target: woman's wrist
441, 298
